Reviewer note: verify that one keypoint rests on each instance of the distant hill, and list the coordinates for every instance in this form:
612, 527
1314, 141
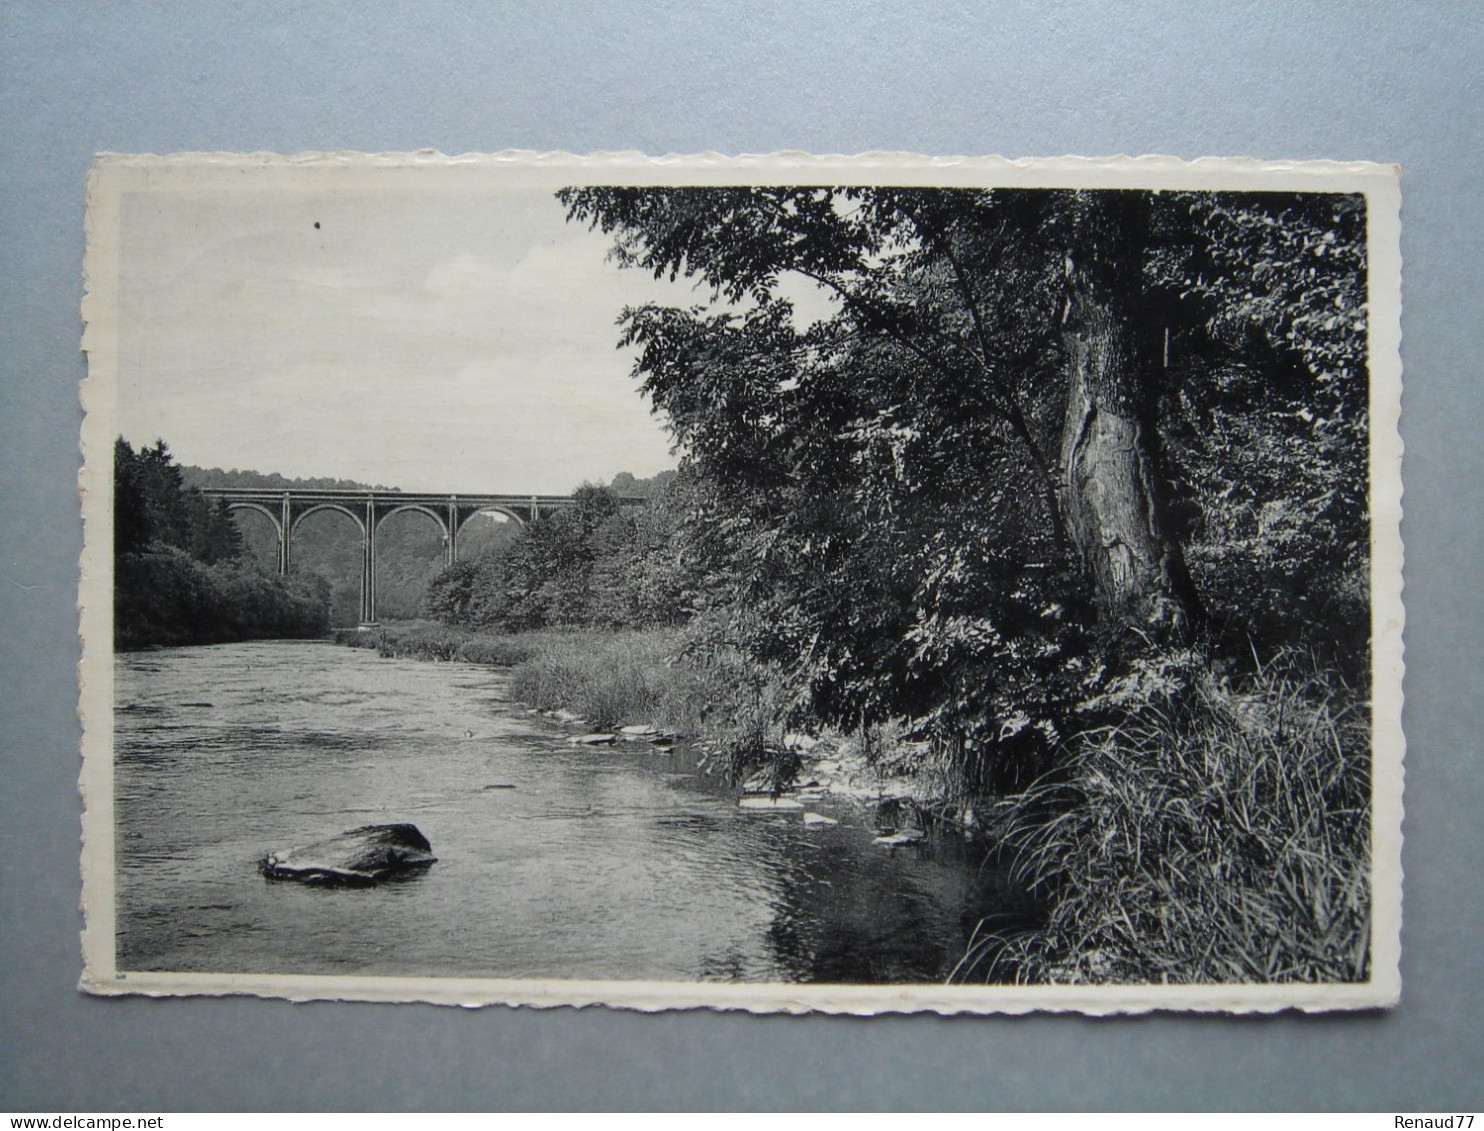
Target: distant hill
269, 480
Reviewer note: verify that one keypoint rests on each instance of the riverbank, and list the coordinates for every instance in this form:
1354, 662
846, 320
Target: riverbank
1256, 796
598, 683
555, 860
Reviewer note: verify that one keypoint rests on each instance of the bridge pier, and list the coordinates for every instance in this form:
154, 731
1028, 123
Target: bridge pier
451, 533
285, 530
368, 567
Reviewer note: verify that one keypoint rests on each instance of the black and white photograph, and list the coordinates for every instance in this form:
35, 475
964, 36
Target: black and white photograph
790, 584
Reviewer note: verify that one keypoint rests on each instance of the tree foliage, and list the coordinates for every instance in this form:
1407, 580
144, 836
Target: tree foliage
153, 507
1046, 439
596, 564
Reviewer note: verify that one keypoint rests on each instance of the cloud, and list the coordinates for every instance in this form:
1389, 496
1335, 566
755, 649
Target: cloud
460, 346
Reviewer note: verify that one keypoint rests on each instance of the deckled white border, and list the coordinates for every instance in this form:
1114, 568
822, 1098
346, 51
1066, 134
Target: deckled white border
114, 174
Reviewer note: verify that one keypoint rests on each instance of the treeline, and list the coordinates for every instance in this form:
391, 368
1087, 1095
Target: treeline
598, 564
180, 573
269, 480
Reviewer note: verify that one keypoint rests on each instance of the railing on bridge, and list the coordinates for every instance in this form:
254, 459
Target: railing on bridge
286, 508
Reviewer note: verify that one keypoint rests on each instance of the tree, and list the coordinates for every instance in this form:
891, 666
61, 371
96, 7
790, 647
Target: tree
1264, 421
132, 528
1112, 489
179, 577
935, 500
931, 275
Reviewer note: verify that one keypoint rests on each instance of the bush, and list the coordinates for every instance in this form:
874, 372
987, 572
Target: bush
179, 576
1220, 837
166, 596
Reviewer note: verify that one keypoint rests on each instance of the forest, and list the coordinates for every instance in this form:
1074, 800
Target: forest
1067, 492
180, 572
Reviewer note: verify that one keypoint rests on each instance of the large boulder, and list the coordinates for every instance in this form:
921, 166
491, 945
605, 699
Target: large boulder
357, 858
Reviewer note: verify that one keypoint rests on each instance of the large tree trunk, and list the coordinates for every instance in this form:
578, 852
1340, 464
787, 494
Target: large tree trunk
1109, 488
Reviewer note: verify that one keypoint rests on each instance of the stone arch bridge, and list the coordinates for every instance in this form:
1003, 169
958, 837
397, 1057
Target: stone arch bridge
286, 509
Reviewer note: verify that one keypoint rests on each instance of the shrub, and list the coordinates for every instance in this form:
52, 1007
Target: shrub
427, 641
166, 596
1219, 837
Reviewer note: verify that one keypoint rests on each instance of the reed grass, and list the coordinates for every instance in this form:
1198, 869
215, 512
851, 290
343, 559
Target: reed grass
610, 679
1223, 837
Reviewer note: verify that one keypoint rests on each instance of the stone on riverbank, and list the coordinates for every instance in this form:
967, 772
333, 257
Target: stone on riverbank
819, 819
357, 858
899, 839
593, 740
638, 731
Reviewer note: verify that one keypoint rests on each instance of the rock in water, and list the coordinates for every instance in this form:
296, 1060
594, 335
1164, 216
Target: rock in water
358, 858
899, 839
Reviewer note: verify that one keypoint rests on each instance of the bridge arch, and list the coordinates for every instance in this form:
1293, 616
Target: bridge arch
418, 556
442, 521
262, 510
315, 508
365, 524
420, 509
467, 514
278, 529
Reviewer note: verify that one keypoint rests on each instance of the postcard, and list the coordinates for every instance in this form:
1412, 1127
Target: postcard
785, 583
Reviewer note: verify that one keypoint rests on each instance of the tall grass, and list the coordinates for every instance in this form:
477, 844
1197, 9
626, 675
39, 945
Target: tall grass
610, 678
1220, 838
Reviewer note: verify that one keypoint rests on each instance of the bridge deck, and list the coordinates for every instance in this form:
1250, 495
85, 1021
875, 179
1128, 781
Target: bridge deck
424, 498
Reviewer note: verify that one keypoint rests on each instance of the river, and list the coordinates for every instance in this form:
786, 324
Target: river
607, 863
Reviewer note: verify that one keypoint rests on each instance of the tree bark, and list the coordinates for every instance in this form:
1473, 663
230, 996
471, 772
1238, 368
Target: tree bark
1109, 487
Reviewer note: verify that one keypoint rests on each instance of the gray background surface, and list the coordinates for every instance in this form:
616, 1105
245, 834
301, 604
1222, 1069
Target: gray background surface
1391, 82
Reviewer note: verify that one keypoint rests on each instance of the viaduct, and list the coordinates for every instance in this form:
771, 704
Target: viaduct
286, 509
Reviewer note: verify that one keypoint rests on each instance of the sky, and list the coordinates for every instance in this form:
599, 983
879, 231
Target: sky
452, 342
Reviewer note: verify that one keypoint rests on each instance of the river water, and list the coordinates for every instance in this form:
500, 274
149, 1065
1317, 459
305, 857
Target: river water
609, 863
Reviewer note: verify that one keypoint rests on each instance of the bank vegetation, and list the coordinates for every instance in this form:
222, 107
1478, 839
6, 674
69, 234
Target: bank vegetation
180, 573
1066, 490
